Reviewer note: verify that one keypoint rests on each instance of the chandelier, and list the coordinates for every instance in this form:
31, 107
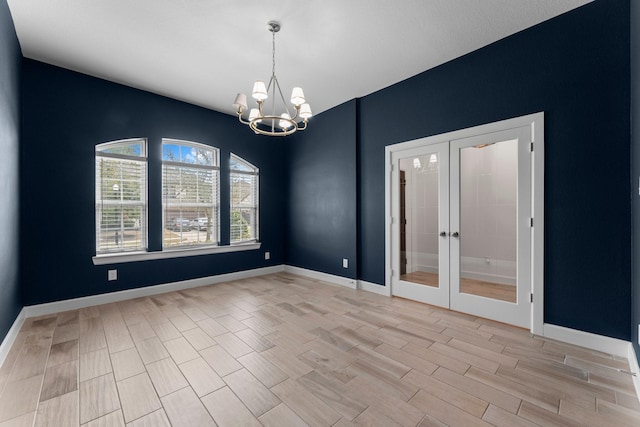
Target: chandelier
272, 124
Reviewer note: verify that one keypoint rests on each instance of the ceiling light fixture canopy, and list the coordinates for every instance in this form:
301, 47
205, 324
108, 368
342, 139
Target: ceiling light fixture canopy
273, 124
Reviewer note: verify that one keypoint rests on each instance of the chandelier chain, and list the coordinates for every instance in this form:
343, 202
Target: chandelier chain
273, 53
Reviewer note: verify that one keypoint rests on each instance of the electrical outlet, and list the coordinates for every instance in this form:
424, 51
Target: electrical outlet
345, 263
112, 275
267, 255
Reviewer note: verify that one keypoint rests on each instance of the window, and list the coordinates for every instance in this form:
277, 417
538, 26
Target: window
243, 179
121, 196
190, 186
190, 173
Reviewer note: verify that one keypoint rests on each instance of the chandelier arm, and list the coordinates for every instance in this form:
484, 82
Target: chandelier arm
284, 103
304, 122
295, 116
241, 120
260, 114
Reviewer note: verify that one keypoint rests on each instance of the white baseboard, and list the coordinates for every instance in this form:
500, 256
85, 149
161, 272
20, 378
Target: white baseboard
338, 280
586, 339
635, 369
83, 302
372, 287
11, 336
76, 303
312, 274
425, 268
492, 278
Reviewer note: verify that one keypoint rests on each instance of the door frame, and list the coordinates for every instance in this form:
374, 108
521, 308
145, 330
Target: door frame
536, 123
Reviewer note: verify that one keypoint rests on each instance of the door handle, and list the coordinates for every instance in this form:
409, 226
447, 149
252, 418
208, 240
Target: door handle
443, 234
455, 234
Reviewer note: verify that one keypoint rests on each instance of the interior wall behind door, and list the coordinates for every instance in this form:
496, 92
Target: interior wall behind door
420, 205
489, 194
489, 202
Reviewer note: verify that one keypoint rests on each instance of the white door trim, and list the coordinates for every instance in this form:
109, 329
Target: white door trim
536, 123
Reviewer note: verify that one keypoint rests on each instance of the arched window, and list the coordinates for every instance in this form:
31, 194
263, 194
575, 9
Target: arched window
190, 199
121, 196
244, 185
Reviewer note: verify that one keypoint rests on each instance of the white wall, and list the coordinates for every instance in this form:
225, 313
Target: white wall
489, 211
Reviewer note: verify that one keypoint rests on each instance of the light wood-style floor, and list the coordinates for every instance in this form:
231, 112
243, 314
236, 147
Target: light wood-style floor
282, 350
468, 286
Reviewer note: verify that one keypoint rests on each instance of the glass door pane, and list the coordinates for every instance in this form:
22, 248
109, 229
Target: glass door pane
490, 233
488, 220
419, 216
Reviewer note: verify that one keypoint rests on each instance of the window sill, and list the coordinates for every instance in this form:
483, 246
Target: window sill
170, 253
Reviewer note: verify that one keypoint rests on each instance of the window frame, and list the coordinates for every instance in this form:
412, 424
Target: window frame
100, 202
215, 168
255, 205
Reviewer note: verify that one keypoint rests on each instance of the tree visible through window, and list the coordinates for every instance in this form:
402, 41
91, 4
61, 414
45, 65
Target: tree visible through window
121, 196
243, 179
189, 194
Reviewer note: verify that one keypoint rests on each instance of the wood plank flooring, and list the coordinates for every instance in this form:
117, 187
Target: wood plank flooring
283, 350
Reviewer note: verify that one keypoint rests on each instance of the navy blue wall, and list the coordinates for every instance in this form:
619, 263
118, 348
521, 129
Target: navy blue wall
575, 68
322, 204
10, 60
635, 175
65, 114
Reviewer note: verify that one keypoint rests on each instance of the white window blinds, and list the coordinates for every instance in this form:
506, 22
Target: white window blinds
243, 179
121, 196
190, 199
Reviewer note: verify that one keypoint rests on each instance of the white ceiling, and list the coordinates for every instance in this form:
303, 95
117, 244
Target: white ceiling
205, 51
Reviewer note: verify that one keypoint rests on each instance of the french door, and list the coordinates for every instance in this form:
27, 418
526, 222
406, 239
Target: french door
461, 229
